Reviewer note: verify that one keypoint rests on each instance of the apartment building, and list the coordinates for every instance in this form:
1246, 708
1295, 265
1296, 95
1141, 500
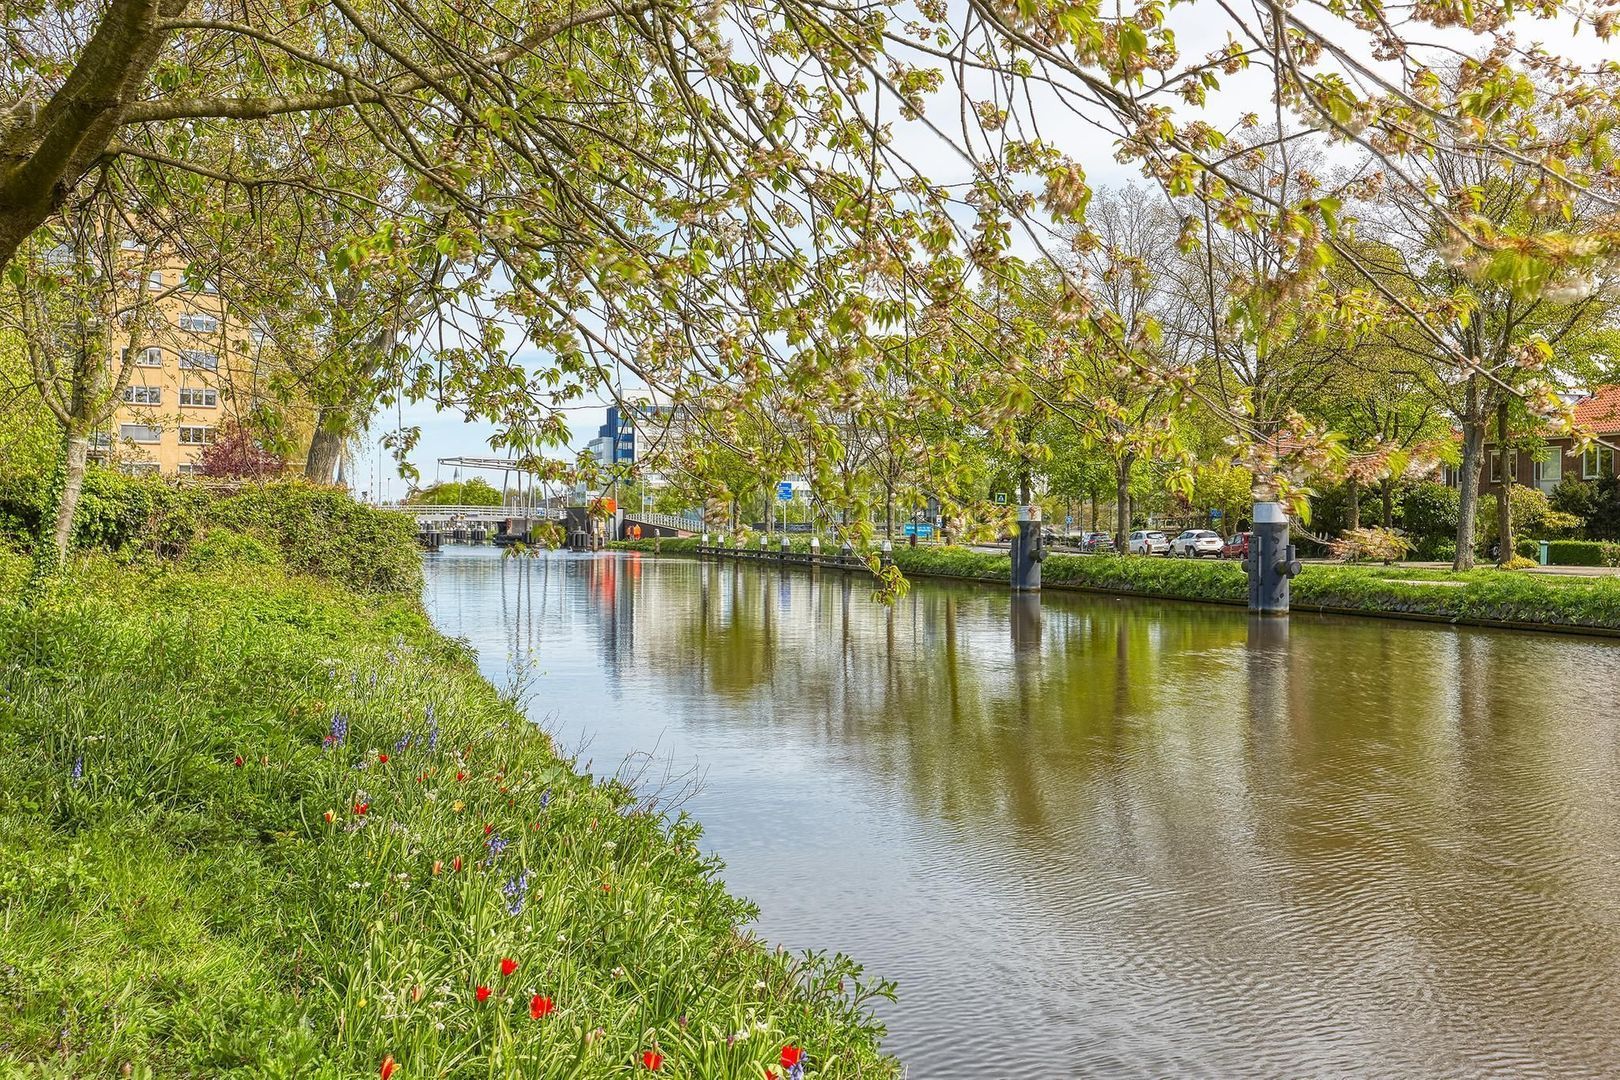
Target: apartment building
201, 368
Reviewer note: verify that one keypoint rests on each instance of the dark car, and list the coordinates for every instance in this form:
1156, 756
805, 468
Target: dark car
1236, 546
1095, 542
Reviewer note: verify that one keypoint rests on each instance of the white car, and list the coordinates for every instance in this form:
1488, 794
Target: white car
1147, 542
1196, 543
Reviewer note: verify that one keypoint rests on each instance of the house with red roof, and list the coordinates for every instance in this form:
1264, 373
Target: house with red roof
1598, 413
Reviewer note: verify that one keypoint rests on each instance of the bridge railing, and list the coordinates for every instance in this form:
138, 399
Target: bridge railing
665, 521
478, 513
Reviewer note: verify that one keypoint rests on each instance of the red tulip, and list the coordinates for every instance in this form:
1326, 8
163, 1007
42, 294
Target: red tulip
361, 808
488, 829
460, 775
652, 1059
482, 994
329, 816
238, 761
388, 1067
791, 1056
540, 1006
508, 965
382, 759
455, 865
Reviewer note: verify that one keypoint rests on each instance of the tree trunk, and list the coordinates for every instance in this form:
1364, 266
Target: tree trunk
77, 452
1354, 509
1388, 495
1093, 509
1504, 504
1473, 433
62, 502
1122, 507
325, 447
888, 511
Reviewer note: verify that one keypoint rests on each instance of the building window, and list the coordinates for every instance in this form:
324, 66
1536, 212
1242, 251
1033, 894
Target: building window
1497, 459
198, 322
143, 395
141, 468
190, 468
155, 279
1596, 462
194, 435
140, 433
1549, 472
152, 357
1452, 476
199, 397
192, 360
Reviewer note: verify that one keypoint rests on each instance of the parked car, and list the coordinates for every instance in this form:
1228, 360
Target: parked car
1147, 542
1196, 543
1093, 542
1236, 546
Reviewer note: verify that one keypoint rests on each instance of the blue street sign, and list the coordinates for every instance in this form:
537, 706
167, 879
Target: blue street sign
1214, 515
922, 532
784, 491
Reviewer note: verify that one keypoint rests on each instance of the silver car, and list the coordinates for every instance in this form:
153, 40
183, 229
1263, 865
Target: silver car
1195, 544
1147, 542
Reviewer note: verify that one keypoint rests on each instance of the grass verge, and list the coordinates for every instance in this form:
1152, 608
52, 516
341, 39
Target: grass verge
254, 823
1482, 597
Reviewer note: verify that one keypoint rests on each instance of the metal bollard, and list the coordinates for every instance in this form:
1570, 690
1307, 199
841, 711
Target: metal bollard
815, 551
1027, 550
1272, 560
887, 554
784, 554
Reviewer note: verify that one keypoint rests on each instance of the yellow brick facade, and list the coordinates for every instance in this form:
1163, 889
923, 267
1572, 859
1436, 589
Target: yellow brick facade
202, 368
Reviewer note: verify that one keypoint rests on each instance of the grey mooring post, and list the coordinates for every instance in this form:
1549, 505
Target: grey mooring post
1272, 561
1027, 551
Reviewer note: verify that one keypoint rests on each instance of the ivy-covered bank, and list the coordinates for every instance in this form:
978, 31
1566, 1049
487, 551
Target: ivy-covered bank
258, 822
1486, 597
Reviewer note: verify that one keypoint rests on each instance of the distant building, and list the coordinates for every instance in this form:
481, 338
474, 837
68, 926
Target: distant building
1597, 413
637, 432
202, 369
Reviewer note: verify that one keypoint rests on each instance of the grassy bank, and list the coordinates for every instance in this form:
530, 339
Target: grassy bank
255, 822
1484, 597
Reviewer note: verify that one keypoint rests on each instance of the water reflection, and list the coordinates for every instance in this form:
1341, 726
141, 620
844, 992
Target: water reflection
1099, 837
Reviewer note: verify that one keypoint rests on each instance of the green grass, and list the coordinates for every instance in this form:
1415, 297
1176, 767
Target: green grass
193, 884
1481, 596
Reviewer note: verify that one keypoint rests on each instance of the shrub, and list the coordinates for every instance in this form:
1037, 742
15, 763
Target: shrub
1437, 549
1429, 514
322, 531
240, 452
218, 547
1604, 521
1533, 515
1380, 545
1573, 496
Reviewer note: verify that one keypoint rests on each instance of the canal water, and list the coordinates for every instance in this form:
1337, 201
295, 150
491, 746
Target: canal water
1097, 837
